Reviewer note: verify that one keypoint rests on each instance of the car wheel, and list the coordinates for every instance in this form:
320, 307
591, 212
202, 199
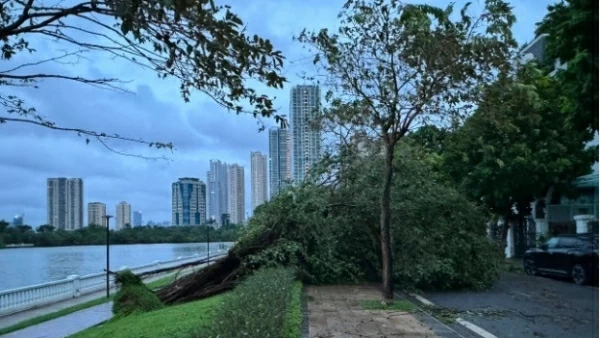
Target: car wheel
530, 267
578, 274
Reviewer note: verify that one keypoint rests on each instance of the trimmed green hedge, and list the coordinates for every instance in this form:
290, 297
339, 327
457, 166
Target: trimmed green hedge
266, 304
134, 296
293, 318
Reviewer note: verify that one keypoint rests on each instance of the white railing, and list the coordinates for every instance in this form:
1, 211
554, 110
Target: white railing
29, 297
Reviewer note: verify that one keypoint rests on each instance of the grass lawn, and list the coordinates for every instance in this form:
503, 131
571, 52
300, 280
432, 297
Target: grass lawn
43, 318
293, 316
174, 321
514, 265
397, 305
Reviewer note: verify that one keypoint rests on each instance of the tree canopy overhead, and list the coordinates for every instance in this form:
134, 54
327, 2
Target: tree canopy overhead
571, 26
202, 45
391, 66
517, 145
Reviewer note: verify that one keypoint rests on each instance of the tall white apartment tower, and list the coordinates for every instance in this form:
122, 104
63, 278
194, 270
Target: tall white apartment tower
97, 213
65, 203
217, 192
280, 160
306, 139
236, 194
123, 215
258, 171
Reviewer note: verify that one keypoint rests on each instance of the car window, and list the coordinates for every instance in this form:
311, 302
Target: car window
589, 244
552, 242
568, 243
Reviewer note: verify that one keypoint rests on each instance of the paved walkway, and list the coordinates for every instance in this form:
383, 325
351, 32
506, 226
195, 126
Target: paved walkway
65, 326
335, 312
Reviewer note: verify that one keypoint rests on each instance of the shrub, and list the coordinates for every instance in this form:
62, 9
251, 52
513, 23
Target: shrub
293, 319
134, 296
264, 305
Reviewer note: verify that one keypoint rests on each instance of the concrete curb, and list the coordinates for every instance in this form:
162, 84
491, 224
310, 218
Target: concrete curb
468, 325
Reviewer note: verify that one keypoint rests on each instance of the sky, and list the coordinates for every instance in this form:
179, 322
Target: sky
155, 111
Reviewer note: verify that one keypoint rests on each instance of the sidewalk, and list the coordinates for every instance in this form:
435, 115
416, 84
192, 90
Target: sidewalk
67, 325
335, 311
73, 322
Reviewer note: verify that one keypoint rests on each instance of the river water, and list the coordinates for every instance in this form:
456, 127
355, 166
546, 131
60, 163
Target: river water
28, 266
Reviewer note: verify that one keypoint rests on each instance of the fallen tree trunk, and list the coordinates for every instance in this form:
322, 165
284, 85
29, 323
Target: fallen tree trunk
220, 276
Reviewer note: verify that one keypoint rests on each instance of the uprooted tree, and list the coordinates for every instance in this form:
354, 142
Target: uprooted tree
392, 66
330, 232
202, 45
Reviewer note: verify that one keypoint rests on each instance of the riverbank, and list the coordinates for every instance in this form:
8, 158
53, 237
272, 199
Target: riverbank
47, 236
266, 303
33, 266
22, 320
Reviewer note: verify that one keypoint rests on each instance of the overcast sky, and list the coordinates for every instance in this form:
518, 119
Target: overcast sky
200, 130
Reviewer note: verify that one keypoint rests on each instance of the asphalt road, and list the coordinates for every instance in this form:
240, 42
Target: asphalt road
527, 306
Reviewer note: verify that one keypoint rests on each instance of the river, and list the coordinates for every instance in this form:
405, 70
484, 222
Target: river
28, 266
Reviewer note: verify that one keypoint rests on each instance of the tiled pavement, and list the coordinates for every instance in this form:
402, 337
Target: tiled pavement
334, 311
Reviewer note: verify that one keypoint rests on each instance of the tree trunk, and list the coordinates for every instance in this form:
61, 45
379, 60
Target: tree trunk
386, 220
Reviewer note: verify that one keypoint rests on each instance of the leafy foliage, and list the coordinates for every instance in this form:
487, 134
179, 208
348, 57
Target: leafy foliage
96, 235
257, 307
397, 305
442, 242
199, 43
330, 232
518, 144
133, 296
293, 316
392, 65
571, 40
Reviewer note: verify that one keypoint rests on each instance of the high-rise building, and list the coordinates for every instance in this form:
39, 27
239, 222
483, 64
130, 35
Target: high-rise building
189, 202
123, 215
65, 203
306, 139
137, 218
18, 220
258, 173
217, 191
237, 203
280, 159
97, 213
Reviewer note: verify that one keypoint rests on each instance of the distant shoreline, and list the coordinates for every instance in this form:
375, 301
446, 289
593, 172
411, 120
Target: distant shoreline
29, 245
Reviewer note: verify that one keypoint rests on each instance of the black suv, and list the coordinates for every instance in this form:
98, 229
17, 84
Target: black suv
574, 256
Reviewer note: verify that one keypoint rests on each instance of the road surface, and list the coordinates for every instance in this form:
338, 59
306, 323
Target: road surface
527, 306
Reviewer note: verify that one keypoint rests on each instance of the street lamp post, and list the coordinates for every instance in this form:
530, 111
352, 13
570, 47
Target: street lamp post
208, 240
107, 255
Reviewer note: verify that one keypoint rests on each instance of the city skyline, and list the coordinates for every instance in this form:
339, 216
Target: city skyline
200, 130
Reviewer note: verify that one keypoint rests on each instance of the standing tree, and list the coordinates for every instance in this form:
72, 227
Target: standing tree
573, 39
517, 145
202, 45
400, 65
